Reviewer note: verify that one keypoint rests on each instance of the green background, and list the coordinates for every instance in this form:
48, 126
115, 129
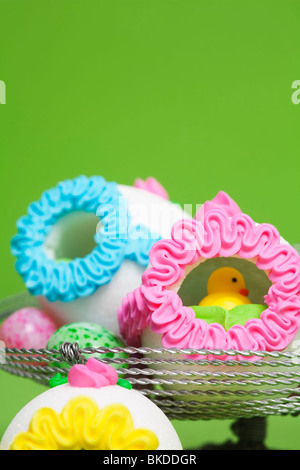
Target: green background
196, 93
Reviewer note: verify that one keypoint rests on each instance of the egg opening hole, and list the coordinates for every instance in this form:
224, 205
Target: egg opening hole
193, 290
72, 236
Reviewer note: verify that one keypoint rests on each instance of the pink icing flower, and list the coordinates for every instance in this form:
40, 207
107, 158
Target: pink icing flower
220, 202
93, 374
151, 185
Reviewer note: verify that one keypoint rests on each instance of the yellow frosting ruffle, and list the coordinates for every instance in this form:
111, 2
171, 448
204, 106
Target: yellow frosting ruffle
82, 425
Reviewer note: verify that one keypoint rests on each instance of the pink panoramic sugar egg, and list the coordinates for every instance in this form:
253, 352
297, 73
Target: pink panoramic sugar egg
176, 307
27, 328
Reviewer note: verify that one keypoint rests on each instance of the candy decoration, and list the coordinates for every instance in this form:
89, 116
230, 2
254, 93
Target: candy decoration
27, 328
92, 374
226, 288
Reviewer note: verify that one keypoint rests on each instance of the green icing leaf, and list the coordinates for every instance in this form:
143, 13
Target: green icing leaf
211, 314
242, 313
58, 379
237, 316
124, 383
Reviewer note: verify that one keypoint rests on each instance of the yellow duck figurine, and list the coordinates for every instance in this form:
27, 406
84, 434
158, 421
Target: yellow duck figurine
226, 288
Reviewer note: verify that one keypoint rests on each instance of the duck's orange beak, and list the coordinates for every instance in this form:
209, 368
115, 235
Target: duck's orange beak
244, 292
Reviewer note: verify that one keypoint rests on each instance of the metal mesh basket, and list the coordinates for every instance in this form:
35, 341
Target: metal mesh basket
214, 389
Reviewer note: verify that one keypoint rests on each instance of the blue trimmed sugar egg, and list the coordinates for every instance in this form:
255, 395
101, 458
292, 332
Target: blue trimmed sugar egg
85, 245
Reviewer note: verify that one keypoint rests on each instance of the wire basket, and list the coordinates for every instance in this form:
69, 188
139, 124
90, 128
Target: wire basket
215, 389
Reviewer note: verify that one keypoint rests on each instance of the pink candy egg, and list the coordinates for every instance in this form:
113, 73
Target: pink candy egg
27, 328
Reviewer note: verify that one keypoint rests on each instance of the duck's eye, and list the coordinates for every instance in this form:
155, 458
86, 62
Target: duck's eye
234, 279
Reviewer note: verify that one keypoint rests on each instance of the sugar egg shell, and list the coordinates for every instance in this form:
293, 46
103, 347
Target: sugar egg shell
167, 315
145, 414
75, 273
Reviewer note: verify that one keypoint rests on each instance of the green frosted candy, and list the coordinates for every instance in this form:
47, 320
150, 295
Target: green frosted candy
87, 335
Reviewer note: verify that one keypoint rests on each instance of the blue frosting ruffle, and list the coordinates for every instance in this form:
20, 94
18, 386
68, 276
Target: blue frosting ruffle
116, 240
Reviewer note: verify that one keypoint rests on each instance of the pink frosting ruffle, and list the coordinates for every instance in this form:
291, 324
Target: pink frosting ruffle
219, 229
151, 185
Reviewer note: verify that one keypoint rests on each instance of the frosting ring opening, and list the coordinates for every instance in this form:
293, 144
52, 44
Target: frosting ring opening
72, 236
193, 287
